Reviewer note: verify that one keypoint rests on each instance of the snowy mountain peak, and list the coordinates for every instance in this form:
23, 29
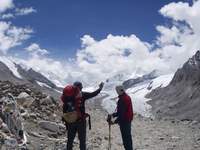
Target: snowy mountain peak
195, 60
11, 65
197, 55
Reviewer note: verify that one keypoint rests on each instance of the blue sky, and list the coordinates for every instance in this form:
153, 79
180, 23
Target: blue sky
105, 37
59, 24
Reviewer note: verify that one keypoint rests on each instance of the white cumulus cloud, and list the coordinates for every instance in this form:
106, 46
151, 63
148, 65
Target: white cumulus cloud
181, 40
11, 36
25, 11
5, 5
35, 50
116, 55
7, 16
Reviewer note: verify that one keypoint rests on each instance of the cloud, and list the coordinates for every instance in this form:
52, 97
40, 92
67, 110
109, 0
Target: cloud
183, 12
5, 5
59, 72
35, 50
25, 11
18, 12
7, 16
130, 56
11, 36
181, 40
98, 60
116, 55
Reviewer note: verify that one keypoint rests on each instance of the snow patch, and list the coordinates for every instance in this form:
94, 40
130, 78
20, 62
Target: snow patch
43, 84
11, 65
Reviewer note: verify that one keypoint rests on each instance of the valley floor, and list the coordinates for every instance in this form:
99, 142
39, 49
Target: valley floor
147, 135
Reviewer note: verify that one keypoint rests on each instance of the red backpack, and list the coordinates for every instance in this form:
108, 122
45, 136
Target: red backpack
71, 99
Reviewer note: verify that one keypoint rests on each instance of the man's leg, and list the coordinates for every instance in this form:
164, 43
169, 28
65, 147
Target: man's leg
72, 129
82, 134
126, 136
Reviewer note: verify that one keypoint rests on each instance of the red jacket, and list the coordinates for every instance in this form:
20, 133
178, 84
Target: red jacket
124, 109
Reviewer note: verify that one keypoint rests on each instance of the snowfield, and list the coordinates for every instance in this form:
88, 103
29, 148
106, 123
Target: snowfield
137, 93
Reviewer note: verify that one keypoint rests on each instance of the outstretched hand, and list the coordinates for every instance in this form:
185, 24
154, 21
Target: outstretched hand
101, 85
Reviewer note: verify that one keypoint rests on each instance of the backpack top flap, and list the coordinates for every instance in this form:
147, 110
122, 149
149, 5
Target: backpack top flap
70, 99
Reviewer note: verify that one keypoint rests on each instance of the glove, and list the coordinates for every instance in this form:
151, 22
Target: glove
101, 85
109, 120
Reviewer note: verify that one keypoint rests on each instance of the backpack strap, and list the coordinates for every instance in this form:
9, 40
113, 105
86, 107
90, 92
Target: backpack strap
86, 115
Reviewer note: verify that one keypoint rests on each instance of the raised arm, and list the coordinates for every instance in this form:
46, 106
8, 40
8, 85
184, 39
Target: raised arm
88, 95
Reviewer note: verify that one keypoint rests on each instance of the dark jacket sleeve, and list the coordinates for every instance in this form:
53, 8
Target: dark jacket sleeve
121, 109
88, 95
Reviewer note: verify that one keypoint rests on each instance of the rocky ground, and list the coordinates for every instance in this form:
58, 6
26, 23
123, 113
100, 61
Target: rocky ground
147, 134
43, 130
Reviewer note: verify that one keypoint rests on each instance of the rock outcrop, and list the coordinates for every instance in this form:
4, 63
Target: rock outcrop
181, 98
26, 113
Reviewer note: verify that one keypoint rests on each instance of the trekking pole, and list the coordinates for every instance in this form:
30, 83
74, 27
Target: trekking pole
109, 138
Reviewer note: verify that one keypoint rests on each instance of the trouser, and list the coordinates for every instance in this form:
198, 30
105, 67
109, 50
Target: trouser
73, 128
125, 129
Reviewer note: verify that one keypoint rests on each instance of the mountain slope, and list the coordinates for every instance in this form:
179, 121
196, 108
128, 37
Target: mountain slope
33, 76
7, 74
181, 98
15, 73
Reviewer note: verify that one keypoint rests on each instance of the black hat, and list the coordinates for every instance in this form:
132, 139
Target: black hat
78, 84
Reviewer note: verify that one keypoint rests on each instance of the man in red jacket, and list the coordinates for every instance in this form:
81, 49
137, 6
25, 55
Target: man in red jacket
124, 116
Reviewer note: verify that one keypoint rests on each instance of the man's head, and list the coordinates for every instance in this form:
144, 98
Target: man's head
120, 89
78, 84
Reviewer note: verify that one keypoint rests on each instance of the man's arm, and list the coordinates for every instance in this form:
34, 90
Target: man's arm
88, 95
121, 108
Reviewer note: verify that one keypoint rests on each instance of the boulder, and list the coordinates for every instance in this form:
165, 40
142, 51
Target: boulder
47, 101
51, 126
4, 128
23, 95
11, 143
24, 99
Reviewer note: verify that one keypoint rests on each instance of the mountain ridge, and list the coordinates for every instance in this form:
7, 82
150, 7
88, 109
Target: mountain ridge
181, 98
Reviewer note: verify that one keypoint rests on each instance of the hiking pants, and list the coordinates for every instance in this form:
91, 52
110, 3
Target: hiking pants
79, 127
125, 129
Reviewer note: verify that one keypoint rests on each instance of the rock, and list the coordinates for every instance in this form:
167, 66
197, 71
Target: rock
23, 95
47, 101
161, 138
53, 135
25, 100
194, 123
22, 110
35, 134
51, 126
11, 143
175, 138
5, 128
1, 122
106, 138
33, 116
